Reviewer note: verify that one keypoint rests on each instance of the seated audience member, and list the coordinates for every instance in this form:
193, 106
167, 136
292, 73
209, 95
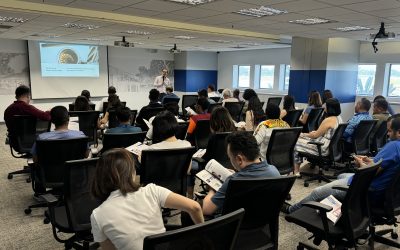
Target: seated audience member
204, 94
314, 101
390, 109
113, 104
380, 110
22, 107
323, 134
130, 212
254, 112
361, 113
60, 119
86, 94
390, 155
288, 105
111, 91
327, 94
264, 129
169, 94
201, 109
220, 121
124, 119
211, 91
244, 154
236, 94
153, 97
81, 104
227, 97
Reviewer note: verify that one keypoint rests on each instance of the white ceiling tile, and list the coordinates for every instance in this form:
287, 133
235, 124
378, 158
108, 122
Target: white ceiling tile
196, 12
300, 5
342, 2
393, 12
118, 2
172, 17
225, 18
93, 5
328, 12
159, 6
137, 12
373, 5
227, 6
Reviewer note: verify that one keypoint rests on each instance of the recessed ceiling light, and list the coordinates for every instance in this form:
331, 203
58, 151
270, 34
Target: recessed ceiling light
191, 2
9, 19
250, 44
139, 32
220, 41
184, 37
81, 26
167, 45
260, 12
351, 28
311, 21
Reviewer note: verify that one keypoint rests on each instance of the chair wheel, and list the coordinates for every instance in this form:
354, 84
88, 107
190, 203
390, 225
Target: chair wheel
29, 180
46, 221
9, 176
306, 184
28, 211
394, 235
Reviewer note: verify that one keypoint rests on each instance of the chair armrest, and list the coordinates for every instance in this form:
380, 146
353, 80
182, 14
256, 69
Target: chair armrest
199, 160
49, 199
341, 188
316, 143
319, 206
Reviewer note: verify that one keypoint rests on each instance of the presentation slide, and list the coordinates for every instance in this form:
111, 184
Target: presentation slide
69, 60
62, 70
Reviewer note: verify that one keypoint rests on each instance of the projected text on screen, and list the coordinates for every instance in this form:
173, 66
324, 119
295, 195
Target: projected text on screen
69, 60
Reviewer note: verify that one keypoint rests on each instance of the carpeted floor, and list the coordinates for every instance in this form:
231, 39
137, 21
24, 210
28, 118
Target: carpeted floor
20, 231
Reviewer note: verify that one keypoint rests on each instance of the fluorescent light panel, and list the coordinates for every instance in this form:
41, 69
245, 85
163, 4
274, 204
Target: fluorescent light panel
81, 26
351, 28
220, 41
260, 12
139, 32
191, 2
9, 19
184, 37
311, 21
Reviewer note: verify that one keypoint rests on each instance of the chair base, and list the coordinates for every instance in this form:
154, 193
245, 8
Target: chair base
303, 246
379, 237
320, 176
26, 170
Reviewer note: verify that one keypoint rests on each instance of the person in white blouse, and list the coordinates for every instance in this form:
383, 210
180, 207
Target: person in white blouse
162, 81
129, 212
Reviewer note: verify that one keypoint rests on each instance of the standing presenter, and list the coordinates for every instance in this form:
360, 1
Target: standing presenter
162, 81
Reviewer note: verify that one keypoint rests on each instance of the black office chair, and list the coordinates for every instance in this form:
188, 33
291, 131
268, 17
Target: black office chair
235, 109
167, 168
181, 130
105, 106
335, 155
188, 101
170, 99
51, 157
26, 130
147, 114
201, 133
88, 123
112, 118
274, 100
72, 214
280, 152
213, 106
133, 116
71, 106
379, 138
354, 221
312, 120
262, 199
219, 233
121, 140
292, 117
386, 215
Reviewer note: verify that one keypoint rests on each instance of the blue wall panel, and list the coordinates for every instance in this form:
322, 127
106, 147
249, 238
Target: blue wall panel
193, 80
342, 84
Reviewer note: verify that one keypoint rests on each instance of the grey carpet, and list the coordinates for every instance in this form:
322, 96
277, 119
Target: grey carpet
20, 231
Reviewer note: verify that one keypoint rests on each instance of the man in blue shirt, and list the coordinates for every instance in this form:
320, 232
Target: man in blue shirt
361, 113
390, 155
170, 95
124, 118
244, 154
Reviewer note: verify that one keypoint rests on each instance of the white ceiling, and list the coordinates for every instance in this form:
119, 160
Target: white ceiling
45, 23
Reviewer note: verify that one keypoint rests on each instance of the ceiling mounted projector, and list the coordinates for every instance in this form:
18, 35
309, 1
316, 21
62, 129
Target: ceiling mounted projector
124, 43
175, 50
382, 34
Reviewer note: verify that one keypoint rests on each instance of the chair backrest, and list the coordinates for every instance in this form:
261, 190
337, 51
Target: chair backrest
213, 106
167, 168
87, 123
335, 145
355, 207
361, 137
147, 114
26, 129
133, 116
187, 101
280, 152
181, 130
219, 233
379, 139
215, 98
105, 106
392, 197
52, 154
312, 120
235, 109
261, 198
201, 133
121, 140
79, 203
171, 99
71, 107
112, 118
292, 117
275, 100
219, 153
